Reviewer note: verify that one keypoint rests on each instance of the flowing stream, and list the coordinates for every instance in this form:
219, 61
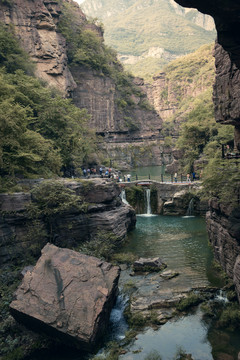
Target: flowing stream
182, 243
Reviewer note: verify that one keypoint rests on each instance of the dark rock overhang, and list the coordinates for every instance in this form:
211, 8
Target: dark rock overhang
226, 14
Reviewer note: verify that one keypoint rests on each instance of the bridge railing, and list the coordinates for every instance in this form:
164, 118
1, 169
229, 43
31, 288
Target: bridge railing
161, 178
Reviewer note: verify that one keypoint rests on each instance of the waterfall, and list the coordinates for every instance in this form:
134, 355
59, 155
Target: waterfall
148, 201
190, 208
123, 197
148, 196
221, 297
118, 323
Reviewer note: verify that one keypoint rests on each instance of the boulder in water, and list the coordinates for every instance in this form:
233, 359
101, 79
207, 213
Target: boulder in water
148, 265
67, 295
169, 274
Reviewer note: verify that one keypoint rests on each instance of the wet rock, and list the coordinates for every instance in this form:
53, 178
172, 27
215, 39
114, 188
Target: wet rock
67, 295
169, 274
160, 301
149, 264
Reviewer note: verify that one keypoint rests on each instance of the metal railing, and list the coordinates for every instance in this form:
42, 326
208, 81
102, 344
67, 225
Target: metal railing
165, 178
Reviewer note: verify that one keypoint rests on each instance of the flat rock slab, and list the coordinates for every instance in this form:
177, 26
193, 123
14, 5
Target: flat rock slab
169, 274
149, 264
67, 295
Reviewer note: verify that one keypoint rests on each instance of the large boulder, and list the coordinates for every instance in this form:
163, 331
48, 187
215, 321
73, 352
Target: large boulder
67, 295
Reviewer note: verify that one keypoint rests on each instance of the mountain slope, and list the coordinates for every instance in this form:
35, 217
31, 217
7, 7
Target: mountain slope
150, 29
182, 95
173, 91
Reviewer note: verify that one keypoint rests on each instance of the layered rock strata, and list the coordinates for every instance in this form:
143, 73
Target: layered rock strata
67, 295
100, 96
106, 214
35, 23
223, 225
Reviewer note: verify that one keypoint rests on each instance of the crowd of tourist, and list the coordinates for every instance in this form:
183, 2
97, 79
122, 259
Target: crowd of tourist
110, 173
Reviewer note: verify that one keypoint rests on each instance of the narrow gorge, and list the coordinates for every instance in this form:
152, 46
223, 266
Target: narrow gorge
67, 105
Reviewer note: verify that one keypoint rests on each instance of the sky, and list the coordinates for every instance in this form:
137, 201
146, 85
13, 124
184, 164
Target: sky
79, 1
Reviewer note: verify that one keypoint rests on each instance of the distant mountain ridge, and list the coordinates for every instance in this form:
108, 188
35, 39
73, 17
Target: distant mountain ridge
147, 34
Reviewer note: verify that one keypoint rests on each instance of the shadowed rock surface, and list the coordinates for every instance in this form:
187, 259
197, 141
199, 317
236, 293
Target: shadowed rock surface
223, 225
227, 55
68, 295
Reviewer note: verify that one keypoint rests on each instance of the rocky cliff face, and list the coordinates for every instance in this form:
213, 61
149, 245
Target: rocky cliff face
99, 95
106, 214
36, 24
182, 80
227, 52
223, 224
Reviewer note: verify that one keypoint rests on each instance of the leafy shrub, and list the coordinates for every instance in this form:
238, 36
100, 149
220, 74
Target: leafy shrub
101, 245
191, 300
230, 317
51, 199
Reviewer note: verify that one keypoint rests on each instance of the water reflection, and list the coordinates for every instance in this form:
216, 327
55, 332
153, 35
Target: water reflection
188, 334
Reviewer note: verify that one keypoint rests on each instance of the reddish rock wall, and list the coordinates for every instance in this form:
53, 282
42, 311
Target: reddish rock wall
35, 24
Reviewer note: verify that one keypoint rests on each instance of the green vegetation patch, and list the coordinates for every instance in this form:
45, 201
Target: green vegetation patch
135, 197
41, 134
191, 300
50, 200
230, 317
102, 245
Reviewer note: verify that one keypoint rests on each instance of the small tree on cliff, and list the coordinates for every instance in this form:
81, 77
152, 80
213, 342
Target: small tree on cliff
52, 199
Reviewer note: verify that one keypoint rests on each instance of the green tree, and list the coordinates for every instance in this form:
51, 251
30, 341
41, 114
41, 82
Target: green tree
12, 56
55, 127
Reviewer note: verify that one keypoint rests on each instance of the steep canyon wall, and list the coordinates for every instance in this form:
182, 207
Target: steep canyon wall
227, 55
224, 223
36, 25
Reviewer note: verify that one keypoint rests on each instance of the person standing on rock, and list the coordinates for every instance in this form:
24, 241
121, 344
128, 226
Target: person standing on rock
175, 177
188, 178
